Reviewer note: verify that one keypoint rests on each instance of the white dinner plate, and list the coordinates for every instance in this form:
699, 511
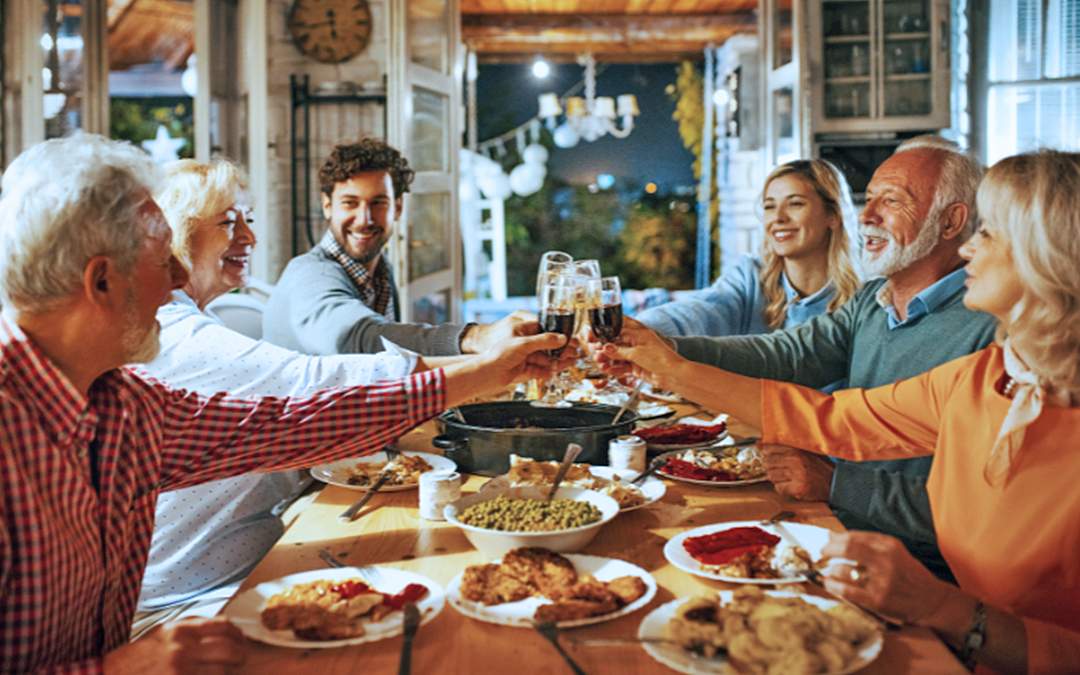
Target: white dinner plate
520, 613
707, 483
653, 489
660, 395
337, 473
669, 447
810, 537
245, 609
646, 410
654, 625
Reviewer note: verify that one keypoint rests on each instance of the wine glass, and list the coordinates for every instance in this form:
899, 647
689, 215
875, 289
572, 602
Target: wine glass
552, 263
604, 299
558, 314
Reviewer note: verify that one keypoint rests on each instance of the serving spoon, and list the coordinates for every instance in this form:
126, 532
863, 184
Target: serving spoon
572, 451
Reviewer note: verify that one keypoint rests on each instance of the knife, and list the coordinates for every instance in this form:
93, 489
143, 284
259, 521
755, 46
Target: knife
349, 514
412, 624
814, 576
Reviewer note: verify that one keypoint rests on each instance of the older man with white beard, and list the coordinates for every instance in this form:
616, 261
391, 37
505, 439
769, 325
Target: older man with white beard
920, 208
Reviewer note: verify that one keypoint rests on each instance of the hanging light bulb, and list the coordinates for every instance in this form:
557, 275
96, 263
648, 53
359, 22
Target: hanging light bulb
541, 69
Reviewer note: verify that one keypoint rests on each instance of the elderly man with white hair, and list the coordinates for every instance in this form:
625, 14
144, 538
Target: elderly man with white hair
920, 209
86, 445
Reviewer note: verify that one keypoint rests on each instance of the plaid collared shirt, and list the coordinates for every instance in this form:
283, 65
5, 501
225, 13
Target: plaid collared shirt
375, 288
79, 477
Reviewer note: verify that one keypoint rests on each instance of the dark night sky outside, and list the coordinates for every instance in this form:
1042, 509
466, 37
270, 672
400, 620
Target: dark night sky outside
507, 94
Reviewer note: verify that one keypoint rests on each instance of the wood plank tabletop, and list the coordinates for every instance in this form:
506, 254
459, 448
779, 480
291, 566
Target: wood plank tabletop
390, 532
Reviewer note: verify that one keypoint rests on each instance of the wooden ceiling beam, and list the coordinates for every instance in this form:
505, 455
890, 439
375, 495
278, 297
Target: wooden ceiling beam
623, 37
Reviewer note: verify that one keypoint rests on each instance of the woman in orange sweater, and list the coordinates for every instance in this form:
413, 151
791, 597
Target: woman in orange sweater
1002, 423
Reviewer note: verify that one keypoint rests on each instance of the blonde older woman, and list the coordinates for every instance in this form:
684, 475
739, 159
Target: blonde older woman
805, 270
213, 534
1002, 424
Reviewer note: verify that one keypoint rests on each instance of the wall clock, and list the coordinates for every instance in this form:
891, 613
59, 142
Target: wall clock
330, 31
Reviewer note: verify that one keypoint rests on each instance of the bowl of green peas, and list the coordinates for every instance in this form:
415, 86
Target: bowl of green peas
498, 521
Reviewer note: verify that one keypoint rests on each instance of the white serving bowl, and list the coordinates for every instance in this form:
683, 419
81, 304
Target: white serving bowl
495, 543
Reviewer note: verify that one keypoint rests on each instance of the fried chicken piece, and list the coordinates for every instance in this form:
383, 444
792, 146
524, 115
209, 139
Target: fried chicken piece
627, 589
572, 610
546, 571
315, 612
491, 585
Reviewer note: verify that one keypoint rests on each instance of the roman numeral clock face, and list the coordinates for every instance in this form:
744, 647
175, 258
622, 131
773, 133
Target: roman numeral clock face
330, 31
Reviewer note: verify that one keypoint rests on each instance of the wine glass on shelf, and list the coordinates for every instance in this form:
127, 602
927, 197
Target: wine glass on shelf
558, 314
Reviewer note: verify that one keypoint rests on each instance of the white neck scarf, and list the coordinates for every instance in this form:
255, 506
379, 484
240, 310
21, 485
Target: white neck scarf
1029, 396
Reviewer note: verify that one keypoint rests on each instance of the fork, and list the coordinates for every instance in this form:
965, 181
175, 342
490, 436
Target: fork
411, 625
551, 633
350, 513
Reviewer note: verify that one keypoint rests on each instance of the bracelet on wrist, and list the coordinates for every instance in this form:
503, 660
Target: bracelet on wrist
975, 637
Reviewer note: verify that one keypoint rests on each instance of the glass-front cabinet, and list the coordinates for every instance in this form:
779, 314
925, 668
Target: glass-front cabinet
879, 65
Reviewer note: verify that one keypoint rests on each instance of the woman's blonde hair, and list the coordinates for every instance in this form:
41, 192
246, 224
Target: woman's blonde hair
832, 188
1035, 199
193, 191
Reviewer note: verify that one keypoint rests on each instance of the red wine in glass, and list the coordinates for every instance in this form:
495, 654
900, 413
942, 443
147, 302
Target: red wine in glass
558, 321
606, 322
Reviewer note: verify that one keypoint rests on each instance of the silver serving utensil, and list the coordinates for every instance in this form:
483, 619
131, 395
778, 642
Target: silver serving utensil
551, 633
619, 641
777, 517
814, 576
653, 466
634, 396
328, 558
457, 414
412, 624
572, 451
349, 514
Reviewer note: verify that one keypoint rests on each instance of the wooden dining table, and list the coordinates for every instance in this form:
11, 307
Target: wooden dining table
390, 532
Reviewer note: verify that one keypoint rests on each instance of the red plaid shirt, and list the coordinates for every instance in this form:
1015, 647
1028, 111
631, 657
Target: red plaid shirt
71, 553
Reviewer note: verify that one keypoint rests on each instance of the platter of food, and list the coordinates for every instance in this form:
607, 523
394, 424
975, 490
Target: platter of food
726, 632
722, 466
647, 389
747, 552
603, 479
682, 436
586, 391
360, 473
535, 584
327, 608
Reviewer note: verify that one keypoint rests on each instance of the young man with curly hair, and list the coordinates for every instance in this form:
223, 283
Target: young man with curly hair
340, 296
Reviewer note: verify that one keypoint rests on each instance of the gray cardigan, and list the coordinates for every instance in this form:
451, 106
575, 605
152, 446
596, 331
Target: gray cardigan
315, 309
856, 343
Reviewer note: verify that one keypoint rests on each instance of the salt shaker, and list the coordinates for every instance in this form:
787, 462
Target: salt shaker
437, 489
627, 452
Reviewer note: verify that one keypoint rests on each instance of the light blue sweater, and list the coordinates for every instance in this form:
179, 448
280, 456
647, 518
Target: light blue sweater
733, 305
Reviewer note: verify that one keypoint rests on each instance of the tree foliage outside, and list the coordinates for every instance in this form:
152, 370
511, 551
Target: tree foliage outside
137, 120
646, 242
688, 92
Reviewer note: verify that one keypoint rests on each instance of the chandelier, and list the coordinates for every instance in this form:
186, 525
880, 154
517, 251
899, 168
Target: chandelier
588, 118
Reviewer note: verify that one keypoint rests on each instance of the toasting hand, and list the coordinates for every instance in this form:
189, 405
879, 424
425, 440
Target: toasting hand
638, 350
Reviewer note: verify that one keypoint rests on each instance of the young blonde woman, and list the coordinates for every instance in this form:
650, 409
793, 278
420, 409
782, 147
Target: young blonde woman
805, 269
1001, 424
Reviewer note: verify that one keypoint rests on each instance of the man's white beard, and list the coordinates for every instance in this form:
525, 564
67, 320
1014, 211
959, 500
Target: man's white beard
139, 346
894, 257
